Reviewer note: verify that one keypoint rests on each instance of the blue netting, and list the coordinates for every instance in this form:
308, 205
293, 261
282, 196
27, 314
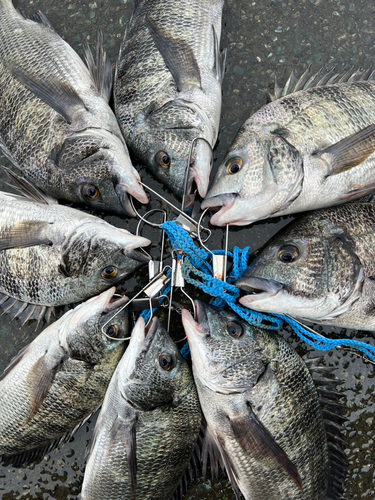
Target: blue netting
198, 272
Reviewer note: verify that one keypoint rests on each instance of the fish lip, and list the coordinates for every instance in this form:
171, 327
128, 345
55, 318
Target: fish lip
124, 192
258, 287
114, 304
199, 323
225, 201
151, 331
137, 255
200, 316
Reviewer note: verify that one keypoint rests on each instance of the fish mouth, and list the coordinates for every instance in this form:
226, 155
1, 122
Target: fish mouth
258, 288
124, 192
151, 331
197, 324
113, 302
138, 255
223, 202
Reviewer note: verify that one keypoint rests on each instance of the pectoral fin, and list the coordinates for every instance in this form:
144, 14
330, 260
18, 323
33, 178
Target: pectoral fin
40, 378
24, 234
255, 439
178, 57
28, 190
57, 94
124, 431
219, 58
349, 152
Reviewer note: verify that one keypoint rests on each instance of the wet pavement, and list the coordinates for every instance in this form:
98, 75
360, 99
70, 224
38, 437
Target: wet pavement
263, 38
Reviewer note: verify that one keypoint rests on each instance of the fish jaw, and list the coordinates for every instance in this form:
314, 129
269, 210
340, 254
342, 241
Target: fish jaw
137, 340
131, 245
196, 332
201, 169
282, 302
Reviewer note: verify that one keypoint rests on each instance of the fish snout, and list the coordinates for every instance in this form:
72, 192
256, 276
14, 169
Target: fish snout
124, 192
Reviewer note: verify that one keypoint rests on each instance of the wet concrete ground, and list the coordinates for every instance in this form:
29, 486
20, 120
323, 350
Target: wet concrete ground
263, 38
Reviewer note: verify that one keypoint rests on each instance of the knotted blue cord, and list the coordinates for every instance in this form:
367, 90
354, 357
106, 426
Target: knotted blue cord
198, 272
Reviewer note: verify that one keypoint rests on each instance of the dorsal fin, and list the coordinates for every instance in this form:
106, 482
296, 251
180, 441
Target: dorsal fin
332, 410
310, 80
100, 70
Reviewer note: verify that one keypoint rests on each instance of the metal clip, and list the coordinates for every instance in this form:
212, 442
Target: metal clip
188, 198
219, 262
151, 290
177, 281
176, 209
154, 266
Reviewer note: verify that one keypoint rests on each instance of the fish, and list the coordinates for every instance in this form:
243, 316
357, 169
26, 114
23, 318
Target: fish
52, 255
167, 89
56, 126
58, 381
265, 422
311, 147
147, 430
319, 268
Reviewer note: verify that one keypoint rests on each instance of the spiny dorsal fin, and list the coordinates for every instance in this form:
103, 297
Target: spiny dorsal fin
100, 70
310, 80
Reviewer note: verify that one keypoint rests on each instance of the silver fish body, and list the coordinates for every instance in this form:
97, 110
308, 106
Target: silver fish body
312, 147
262, 409
148, 425
168, 88
54, 384
56, 126
320, 268
52, 255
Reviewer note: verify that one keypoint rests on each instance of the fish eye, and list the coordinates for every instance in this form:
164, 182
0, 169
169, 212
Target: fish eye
166, 361
235, 329
162, 160
113, 331
288, 253
233, 165
109, 272
90, 192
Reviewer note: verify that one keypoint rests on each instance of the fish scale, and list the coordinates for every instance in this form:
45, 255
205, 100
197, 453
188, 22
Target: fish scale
161, 410
61, 263
275, 391
144, 84
328, 135
51, 100
74, 363
331, 280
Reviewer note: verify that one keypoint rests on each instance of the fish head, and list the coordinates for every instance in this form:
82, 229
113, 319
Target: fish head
309, 271
177, 146
81, 332
260, 175
97, 255
228, 354
154, 373
96, 170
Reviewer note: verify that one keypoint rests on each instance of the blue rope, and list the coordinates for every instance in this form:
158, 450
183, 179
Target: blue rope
198, 272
